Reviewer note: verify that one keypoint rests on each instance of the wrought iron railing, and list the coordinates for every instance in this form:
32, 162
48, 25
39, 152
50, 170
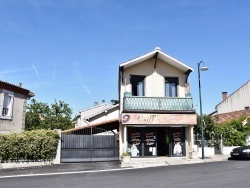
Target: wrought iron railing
137, 103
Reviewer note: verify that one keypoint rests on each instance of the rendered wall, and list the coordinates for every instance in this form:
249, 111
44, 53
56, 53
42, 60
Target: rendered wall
236, 101
154, 85
17, 123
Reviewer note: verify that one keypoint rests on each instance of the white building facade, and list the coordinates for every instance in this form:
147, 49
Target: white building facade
97, 114
238, 100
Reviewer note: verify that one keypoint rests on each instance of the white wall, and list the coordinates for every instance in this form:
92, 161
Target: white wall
109, 115
236, 101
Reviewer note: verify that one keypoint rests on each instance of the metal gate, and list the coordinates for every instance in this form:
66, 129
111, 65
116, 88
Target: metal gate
89, 144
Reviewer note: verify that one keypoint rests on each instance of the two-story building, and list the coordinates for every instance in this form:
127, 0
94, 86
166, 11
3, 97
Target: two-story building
13, 102
156, 107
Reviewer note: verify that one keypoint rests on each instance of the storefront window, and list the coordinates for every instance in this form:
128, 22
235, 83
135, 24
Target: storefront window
149, 143
135, 148
177, 142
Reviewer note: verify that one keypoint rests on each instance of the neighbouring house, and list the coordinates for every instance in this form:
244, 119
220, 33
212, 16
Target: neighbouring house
98, 113
13, 102
94, 137
156, 106
234, 105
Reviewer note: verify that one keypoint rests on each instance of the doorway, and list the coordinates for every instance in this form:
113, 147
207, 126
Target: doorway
163, 141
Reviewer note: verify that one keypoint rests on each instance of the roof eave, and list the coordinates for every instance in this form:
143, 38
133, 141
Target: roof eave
163, 56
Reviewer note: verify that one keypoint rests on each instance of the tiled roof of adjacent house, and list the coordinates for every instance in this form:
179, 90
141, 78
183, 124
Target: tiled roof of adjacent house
112, 124
219, 118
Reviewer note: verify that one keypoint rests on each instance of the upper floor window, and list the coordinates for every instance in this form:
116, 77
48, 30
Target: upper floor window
137, 83
171, 84
6, 104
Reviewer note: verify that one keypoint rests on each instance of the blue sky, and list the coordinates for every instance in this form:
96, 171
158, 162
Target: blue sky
71, 50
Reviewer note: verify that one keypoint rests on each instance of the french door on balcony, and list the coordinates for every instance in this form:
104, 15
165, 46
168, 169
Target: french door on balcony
171, 84
137, 83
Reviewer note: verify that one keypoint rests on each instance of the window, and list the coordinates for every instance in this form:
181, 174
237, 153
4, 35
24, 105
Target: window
7, 98
171, 84
137, 83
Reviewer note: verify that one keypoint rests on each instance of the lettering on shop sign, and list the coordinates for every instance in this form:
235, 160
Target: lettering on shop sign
135, 138
149, 138
177, 136
184, 119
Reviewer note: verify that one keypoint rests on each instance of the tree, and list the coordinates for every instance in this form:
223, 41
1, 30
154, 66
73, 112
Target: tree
42, 116
208, 128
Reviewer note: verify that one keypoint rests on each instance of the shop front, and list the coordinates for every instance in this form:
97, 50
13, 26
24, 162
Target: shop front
155, 135
156, 141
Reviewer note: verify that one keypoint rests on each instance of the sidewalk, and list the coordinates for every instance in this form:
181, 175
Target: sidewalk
94, 166
167, 161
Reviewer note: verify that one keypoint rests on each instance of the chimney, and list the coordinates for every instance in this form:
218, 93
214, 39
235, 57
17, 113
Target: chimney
19, 84
95, 103
224, 95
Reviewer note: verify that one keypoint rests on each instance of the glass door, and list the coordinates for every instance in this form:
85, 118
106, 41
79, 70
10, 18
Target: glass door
149, 136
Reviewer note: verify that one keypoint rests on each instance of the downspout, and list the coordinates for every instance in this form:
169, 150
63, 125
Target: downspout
120, 82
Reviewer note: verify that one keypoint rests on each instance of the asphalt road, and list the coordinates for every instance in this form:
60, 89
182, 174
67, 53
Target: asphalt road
214, 174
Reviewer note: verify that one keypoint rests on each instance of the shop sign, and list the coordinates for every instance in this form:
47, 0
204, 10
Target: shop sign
170, 119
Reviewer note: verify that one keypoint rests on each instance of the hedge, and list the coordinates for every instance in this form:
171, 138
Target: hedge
36, 145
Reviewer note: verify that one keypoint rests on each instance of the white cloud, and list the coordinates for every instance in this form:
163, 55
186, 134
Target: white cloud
35, 70
86, 89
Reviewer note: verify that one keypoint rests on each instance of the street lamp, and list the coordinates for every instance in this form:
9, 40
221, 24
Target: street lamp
204, 68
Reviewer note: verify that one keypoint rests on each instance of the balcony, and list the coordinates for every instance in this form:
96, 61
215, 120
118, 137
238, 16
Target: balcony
160, 104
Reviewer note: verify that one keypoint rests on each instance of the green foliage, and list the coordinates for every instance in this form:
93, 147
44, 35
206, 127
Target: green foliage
42, 116
125, 154
208, 127
234, 132
29, 146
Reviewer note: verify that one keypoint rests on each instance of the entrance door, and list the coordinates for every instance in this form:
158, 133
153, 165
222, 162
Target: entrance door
163, 141
149, 136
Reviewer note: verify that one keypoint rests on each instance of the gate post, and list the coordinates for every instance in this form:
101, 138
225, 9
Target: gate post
91, 145
57, 159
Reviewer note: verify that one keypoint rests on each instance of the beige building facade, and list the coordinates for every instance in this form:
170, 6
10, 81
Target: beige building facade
13, 102
156, 107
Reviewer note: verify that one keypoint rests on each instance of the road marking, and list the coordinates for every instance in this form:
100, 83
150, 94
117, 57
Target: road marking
64, 173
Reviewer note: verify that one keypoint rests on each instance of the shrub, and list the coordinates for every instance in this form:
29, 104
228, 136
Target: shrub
29, 146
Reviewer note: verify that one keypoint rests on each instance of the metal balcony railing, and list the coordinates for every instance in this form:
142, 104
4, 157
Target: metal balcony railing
136, 103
